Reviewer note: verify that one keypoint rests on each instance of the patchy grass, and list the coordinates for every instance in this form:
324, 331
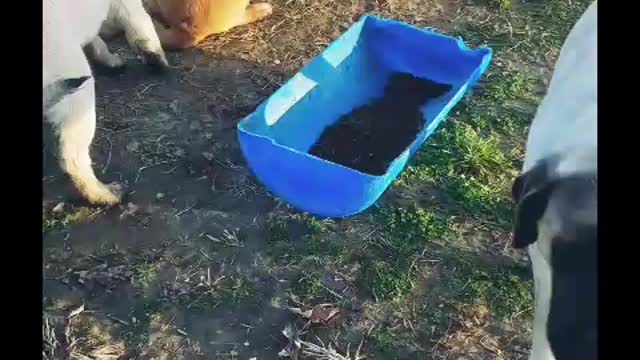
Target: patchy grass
52, 222
388, 264
143, 314
239, 291
385, 344
301, 239
469, 167
507, 290
145, 275
502, 4
308, 288
60, 219
476, 154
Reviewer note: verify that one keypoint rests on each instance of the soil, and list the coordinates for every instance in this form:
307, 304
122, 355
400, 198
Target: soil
369, 138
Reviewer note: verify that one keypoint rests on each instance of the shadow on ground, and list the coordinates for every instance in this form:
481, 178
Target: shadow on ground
179, 253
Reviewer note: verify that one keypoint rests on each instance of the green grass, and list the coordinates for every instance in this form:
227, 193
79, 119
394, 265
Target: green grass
279, 243
469, 167
386, 281
147, 310
308, 289
385, 344
310, 247
555, 18
387, 269
145, 275
239, 291
388, 341
506, 86
501, 4
57, 221
315, 227
52, 222
301, 240
533, 30
507, 290
387, 263
493, 108
475, 155
407, 228
471, 161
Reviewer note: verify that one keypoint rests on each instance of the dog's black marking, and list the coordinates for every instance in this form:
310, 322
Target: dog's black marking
572, 320
73, 84
54, 92
572, 323
530, 193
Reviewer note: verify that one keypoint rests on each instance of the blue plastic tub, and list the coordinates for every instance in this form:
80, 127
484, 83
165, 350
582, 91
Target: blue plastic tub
352, 71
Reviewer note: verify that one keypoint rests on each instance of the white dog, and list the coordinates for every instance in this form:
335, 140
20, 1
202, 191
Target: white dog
69, 28
556, 202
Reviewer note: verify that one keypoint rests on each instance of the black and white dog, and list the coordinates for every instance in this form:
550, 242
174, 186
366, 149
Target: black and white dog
556, 202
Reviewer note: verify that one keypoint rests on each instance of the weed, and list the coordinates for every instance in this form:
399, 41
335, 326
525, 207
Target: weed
387, 271
385, 344
507, 290
143, 313
145, 275
308, 289
55, 221
239, 291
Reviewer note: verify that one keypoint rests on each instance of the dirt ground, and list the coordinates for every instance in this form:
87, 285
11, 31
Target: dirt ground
201, 262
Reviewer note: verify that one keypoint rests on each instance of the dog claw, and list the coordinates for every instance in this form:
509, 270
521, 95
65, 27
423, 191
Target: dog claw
155, 58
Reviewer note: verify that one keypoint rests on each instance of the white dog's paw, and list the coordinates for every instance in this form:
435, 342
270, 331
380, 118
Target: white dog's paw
103, 195
152, 55
113, 61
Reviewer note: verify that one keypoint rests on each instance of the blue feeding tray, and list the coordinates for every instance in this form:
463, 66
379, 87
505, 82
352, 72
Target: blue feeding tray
352, 71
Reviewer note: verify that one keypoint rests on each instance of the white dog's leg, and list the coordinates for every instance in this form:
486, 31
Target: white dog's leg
139, 30
74, 121
98, 51
75, 136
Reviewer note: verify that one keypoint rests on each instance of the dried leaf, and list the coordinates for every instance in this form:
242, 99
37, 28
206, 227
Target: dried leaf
323, 313
304, 314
